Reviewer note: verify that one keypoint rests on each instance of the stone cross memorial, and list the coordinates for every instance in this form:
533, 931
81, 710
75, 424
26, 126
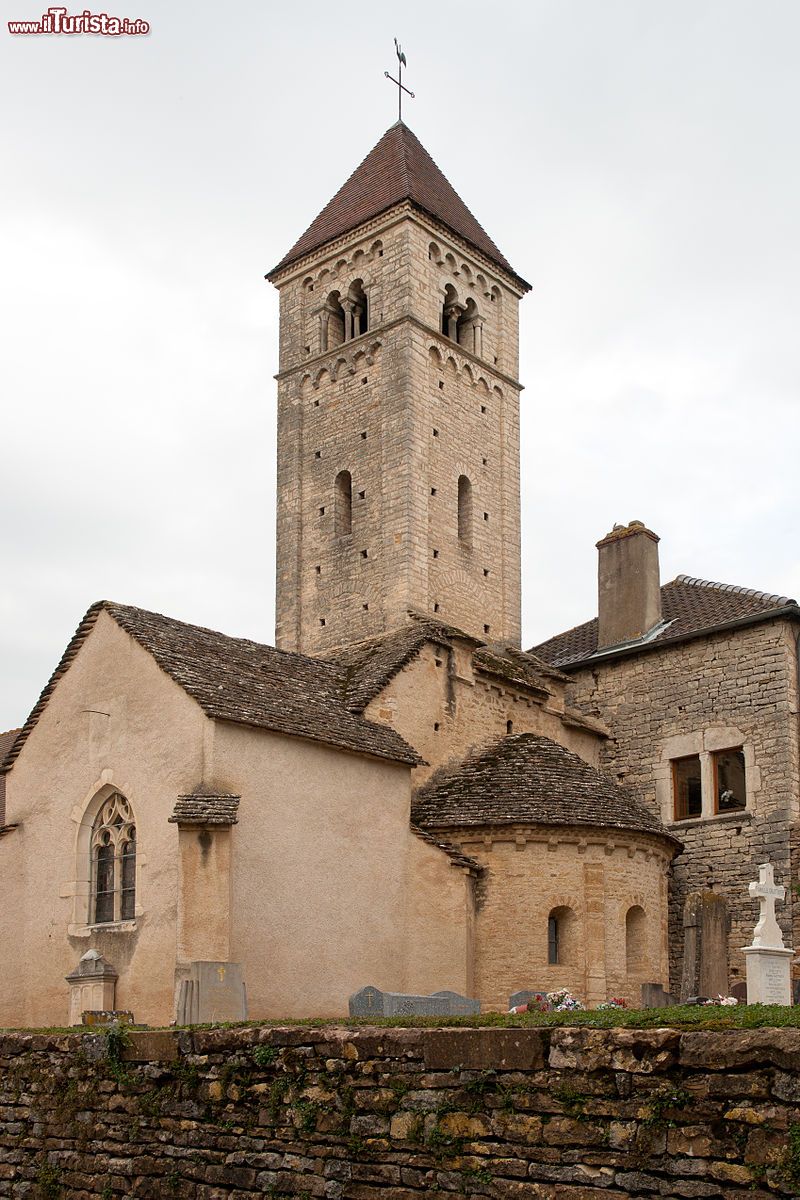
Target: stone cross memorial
768, 960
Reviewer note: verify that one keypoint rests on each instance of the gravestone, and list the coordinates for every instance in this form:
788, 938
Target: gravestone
739, 990
372, 1002
98, 1019
214, 991
92, 986
705, 946
654, 996
460, 1006
769, 970
525, 997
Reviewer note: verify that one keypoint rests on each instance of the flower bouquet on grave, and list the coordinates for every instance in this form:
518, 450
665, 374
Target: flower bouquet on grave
537, 1004
721, 1001
614, 1002
563, 1001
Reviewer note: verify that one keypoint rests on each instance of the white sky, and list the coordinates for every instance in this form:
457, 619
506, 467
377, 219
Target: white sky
636, 161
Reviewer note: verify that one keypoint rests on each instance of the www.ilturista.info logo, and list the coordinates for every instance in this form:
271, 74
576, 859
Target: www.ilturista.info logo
58, 20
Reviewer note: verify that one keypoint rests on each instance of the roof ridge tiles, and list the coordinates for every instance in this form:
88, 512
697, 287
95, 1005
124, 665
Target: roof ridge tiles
753, 593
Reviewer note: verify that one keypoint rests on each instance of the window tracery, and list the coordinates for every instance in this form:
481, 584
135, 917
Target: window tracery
113, 856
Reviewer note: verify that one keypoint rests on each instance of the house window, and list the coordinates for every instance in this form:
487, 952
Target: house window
687, 787
729, 781
113, 849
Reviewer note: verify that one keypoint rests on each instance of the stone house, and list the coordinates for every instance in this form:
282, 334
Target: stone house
396, 793
697, 683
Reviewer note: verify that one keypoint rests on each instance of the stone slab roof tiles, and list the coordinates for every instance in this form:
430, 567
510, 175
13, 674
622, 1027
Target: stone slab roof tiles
397, 169
526, 779
7, 740
237, 680
205, 806
690, 607
372, 664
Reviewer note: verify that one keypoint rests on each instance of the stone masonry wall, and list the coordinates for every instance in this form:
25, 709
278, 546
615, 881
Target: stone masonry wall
735, 687
406, 411
378, 1114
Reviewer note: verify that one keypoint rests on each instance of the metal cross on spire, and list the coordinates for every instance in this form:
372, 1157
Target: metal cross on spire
401, 62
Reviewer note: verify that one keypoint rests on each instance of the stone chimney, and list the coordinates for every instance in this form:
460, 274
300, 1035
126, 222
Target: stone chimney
629, 587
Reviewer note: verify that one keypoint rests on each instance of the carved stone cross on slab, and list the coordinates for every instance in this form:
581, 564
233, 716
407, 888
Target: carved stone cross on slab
767, 932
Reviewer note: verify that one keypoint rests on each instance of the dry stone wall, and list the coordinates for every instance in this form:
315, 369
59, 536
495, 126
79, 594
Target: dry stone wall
380, 1114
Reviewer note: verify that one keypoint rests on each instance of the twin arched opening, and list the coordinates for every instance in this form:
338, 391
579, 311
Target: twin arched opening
344, 316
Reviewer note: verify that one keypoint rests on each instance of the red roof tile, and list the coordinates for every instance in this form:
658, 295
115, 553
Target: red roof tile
397, 169
689, 607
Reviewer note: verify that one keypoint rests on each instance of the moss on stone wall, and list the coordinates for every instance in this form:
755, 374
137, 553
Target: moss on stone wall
389, 1114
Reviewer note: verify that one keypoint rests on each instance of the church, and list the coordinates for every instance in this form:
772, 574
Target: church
397, 793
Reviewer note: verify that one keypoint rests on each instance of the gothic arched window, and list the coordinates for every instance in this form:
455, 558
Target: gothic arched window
113, 850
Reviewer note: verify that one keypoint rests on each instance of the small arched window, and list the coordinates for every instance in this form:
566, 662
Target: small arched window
113, 850
332, 323
343, 503
465, 512
359, 308
561, 931
450, 312
635, 939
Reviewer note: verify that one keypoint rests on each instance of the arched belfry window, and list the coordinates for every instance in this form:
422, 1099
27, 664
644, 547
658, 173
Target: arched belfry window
451, 311
357, 310
343, 503
332, 323
113, 850
465, 512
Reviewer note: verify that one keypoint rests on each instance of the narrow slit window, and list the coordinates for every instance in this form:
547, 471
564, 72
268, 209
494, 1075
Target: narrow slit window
343, 488
465, 512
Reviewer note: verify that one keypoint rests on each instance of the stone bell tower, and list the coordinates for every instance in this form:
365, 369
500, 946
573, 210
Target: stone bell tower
398, 413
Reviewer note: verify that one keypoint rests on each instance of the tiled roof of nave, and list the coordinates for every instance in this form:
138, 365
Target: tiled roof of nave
237, 680
370, 665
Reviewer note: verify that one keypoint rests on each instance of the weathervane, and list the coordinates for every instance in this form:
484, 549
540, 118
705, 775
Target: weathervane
401, 62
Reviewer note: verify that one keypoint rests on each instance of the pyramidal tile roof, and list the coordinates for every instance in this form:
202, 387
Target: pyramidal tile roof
397, 169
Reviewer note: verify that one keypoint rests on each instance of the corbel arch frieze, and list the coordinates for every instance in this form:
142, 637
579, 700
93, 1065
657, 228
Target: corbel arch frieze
362, 258
339, 364
452, 360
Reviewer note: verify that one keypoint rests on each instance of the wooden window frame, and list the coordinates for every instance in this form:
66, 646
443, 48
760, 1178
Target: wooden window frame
715, 754
676, 816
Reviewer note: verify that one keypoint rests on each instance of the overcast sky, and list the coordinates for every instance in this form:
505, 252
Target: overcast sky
637, 161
